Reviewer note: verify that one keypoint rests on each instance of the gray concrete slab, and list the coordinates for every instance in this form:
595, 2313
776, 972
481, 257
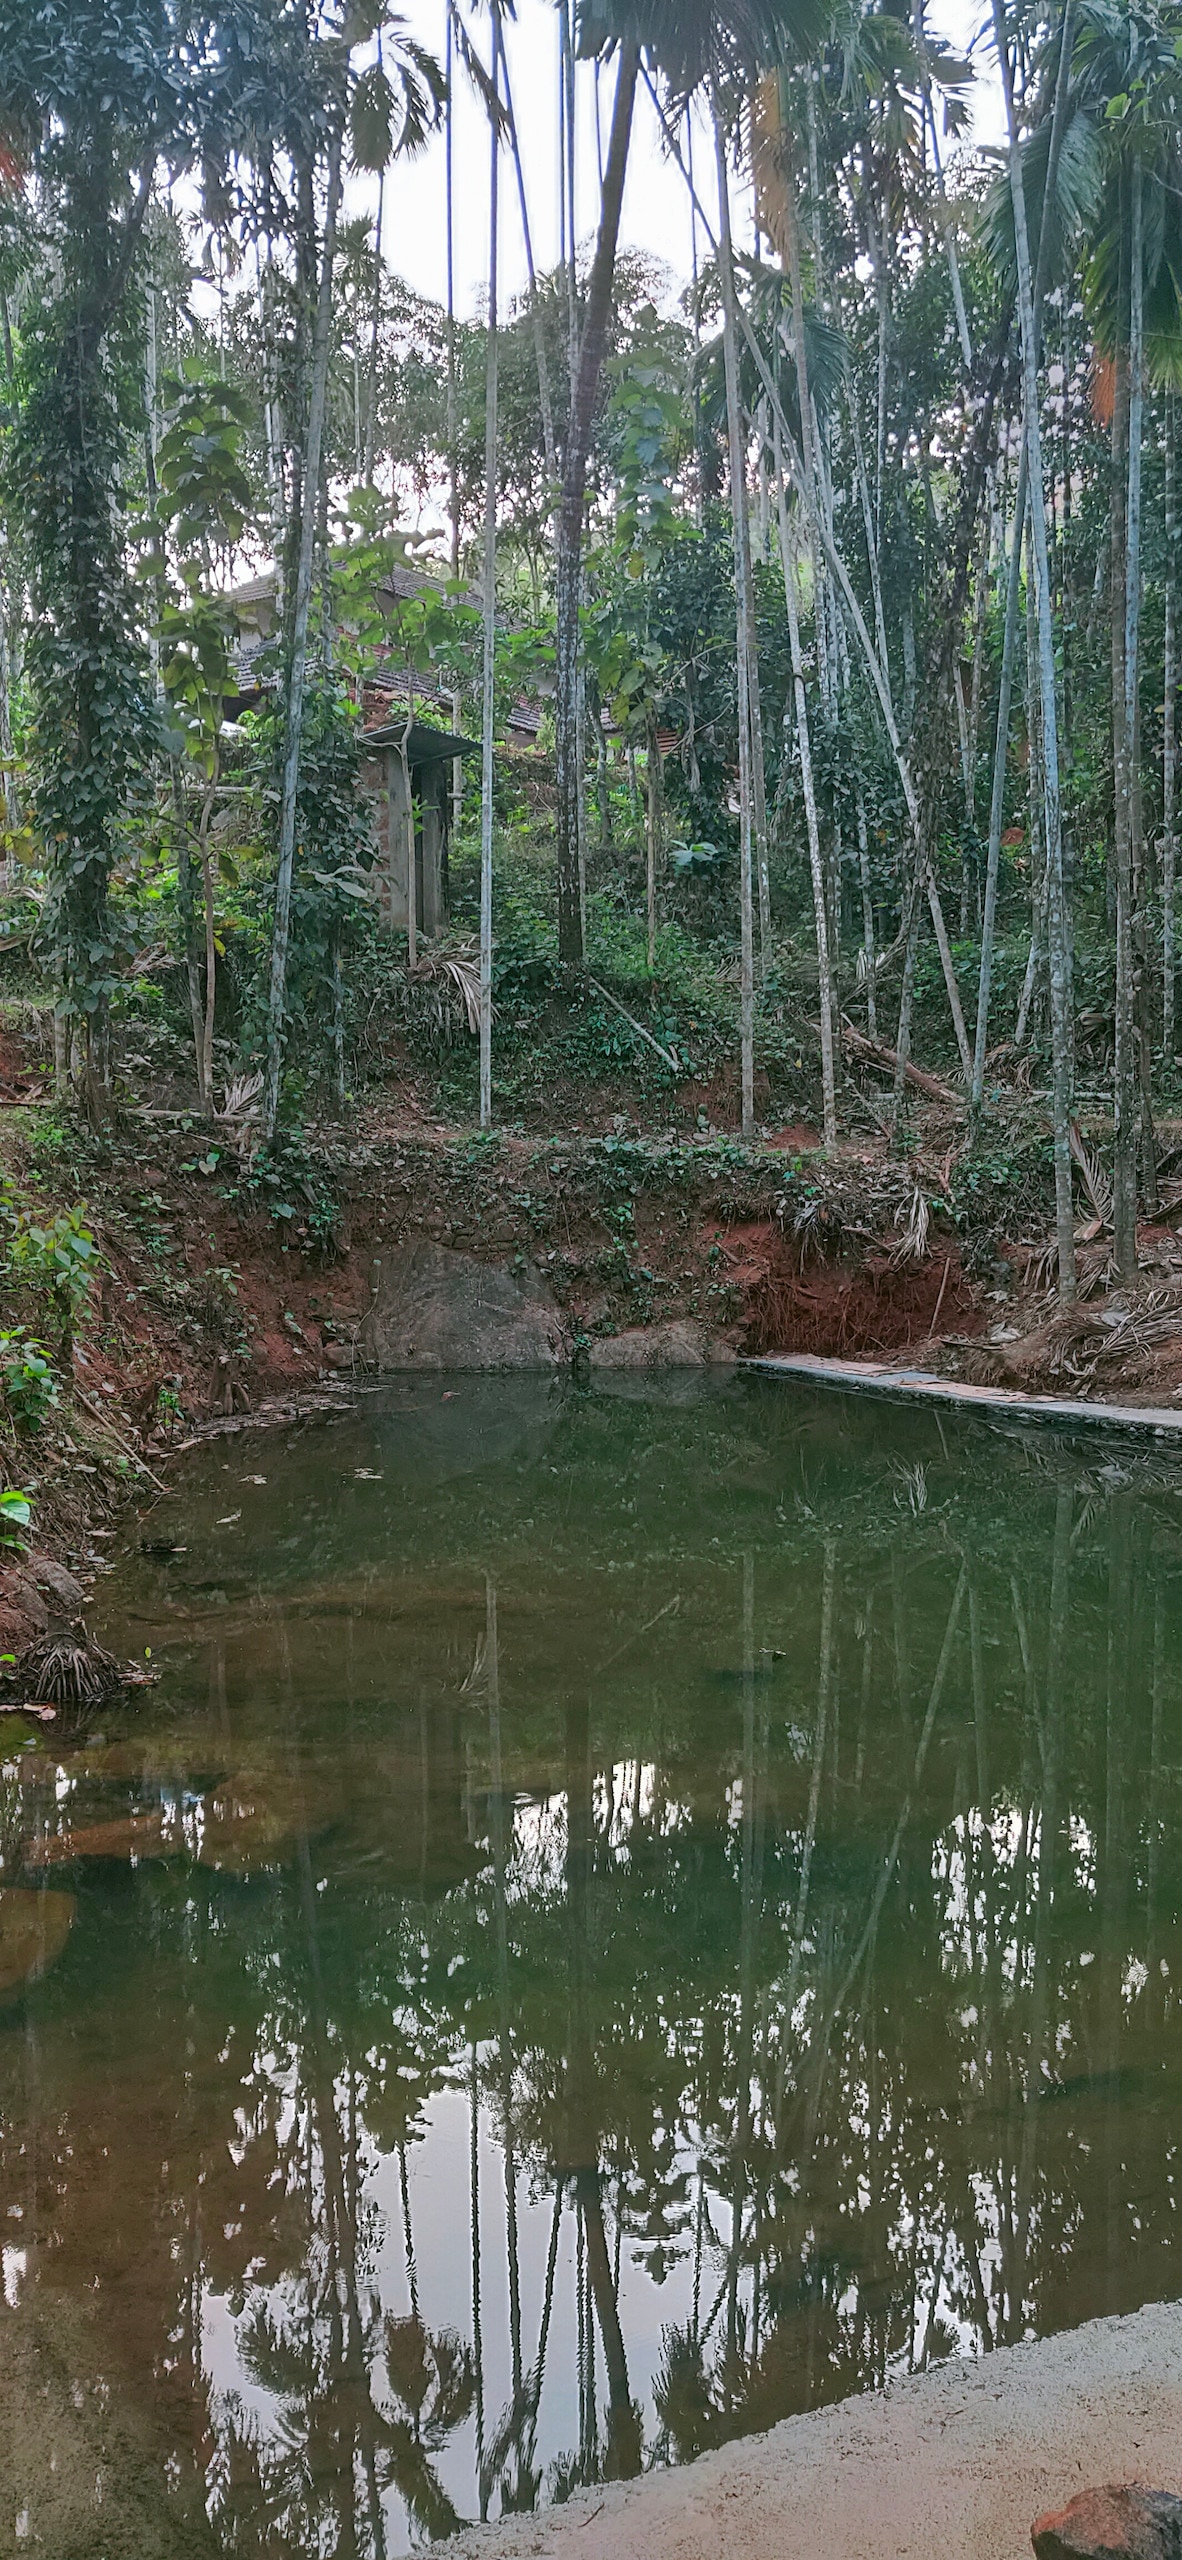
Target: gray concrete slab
922, 1386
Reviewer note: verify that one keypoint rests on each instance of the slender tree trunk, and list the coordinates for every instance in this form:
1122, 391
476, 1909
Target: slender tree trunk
743, 624
375, 331
12, 814
539, 337
1137, 863
187, 903
211, 955
882, 297
913, 909
1014, 587
567, 137
809, 793
652, 839
1169, 745
867, 917
569, 549
808, 441
1038, 867
868, 526
603, 779
758, 777
875, 668
453, 473
1124, 1171
298, 658
1005, 695
412, 850
338, 1022
490, 635
1058, 935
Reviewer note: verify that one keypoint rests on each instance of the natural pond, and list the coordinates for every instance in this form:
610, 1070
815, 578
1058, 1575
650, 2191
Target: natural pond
629, 1912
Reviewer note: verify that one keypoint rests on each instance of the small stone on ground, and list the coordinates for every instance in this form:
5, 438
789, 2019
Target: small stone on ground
1126, 2521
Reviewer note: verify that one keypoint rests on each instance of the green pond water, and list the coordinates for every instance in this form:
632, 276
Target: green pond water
627, 1914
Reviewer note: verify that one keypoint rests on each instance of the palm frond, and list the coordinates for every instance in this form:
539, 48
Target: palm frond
701, 42
1078, 191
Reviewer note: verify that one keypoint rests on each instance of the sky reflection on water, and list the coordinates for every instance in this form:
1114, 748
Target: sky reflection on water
629, 1913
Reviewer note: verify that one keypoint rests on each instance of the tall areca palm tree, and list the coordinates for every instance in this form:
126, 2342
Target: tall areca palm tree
1128, 83
1058, 922
1112, 193
721, 42
385, 109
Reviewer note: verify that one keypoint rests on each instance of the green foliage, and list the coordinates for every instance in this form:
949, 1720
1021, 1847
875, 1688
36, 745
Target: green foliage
16, 1512
93, 87
205, 505
286, 1180
30, 1386
331, 895
58, 1260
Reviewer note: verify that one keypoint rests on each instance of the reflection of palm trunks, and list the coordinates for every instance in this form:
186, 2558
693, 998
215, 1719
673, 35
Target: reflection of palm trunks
582, 2125
623, 2453
776, 1855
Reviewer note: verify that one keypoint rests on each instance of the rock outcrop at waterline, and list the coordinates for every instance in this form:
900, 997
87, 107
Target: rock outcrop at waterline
434, 1308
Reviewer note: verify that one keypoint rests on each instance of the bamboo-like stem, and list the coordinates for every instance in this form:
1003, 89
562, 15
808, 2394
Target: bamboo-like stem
1133, 582
743, 626
867, 916
453, 494
569, 545
1058, 933
812, 825
545, 401
1013, 589
490, 631
652, 838
874, 666
298, 661
1169, 744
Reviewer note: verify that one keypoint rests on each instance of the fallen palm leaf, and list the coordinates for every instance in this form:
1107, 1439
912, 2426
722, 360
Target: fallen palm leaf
1092, 1175
915, 1218
454, 973
243, 1099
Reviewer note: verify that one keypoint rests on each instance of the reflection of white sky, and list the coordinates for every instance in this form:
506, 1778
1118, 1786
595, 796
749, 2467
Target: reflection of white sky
438, 2179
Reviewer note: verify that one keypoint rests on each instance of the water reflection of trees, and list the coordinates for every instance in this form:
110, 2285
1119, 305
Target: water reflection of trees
802, 1924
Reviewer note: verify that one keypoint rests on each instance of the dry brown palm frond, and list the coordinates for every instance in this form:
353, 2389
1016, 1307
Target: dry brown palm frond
243, 1099
473, 1685
1092, 1175
453, 977
914, 1217
1042, 1269
806, 1226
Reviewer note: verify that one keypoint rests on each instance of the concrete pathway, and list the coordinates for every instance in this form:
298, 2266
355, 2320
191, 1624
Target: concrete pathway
953, 2464
921, 1386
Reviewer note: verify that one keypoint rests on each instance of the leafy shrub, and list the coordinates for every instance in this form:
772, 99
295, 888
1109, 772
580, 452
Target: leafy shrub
59, 1259
30, 1387
16, 1512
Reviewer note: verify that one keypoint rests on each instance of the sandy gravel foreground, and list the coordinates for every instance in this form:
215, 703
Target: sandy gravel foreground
949, 2465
